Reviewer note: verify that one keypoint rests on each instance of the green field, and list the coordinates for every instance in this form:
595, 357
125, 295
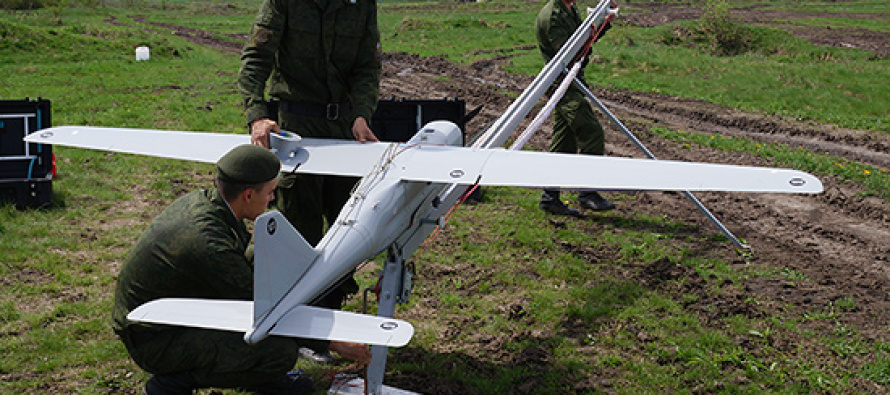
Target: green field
58, 266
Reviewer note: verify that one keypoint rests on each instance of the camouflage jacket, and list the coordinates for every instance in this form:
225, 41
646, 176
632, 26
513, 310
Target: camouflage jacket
555, 24
316, 51
194, 249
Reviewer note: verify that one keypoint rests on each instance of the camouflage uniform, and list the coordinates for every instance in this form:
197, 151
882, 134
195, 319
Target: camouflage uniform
195, 249
316, 52
313, 53
575, 127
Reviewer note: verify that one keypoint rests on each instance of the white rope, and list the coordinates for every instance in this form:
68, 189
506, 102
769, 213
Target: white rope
548, 108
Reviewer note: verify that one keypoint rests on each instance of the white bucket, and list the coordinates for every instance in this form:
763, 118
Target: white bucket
142, 53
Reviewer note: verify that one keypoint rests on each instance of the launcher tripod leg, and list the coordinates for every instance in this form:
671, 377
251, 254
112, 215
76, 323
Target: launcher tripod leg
701, 207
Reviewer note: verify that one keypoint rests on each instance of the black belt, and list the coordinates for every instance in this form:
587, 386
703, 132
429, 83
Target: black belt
330, 111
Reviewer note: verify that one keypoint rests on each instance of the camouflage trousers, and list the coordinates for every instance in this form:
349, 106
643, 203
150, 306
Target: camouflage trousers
575, 130
575, 127
212, 358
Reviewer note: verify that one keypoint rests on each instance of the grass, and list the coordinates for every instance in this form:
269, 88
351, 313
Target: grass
803, 80
830, 85
874, 25
582, 312
591, 320
430, 34
863, 6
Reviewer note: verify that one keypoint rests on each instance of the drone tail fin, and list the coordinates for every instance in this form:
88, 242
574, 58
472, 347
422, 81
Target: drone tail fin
281, 257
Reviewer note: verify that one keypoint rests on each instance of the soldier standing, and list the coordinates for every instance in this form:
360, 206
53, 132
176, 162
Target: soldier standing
321, 59
575, 127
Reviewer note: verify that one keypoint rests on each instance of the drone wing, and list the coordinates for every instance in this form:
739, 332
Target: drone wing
448, 164
316, 156
460, 165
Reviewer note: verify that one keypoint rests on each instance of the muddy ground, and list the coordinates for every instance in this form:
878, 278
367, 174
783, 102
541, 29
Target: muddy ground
837, 240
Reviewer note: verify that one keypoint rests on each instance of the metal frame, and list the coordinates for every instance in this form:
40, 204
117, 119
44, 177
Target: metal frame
391, 292
698, 204
24, 118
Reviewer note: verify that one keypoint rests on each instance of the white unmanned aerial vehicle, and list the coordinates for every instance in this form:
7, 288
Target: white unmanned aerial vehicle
404, 191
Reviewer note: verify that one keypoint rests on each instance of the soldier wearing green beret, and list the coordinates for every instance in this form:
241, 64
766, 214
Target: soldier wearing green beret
196, 248
575, 127
320, 60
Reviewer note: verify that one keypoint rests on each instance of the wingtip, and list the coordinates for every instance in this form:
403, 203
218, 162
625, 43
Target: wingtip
806, 183
403, 337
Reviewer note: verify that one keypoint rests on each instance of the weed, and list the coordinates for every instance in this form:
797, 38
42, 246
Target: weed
765, 334
846, 341
847, 303
746, 254
793, 276
9, 312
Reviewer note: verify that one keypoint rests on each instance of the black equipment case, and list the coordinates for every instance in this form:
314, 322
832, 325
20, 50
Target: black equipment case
26, 170
397, 120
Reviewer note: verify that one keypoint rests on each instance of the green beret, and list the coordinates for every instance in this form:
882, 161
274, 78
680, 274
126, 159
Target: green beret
248, 164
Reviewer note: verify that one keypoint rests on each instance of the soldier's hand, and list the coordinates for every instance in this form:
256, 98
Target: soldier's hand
361, 131
356, 352
260, 129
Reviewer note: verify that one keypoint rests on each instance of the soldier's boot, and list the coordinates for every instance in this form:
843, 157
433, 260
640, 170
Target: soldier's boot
169, 384
550, 203
593, 201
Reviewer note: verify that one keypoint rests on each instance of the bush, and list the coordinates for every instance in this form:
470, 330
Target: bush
715, 32
723, 35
